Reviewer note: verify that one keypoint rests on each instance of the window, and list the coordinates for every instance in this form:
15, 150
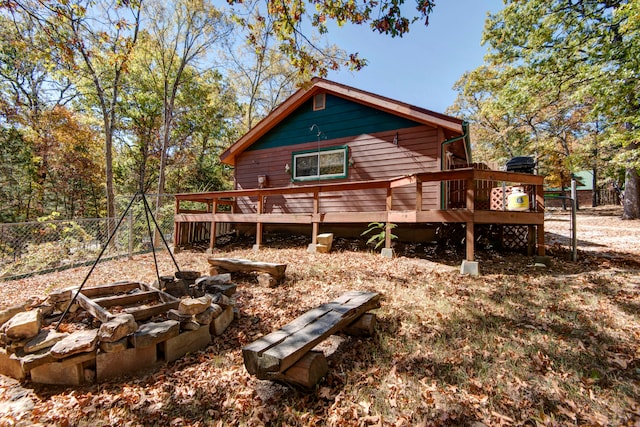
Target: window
329, 163
319, 102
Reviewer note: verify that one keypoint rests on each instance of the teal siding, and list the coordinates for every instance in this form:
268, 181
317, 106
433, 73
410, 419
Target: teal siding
341, 118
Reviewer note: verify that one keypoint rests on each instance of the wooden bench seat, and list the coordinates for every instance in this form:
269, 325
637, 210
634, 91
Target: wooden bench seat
271, 356
274, 271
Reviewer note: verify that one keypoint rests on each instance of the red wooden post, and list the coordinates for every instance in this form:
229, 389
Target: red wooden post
212, 234
470, 237
389, 206
315, 224
259, 208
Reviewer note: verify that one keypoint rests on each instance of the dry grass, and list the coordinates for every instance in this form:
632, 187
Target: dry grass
518, 345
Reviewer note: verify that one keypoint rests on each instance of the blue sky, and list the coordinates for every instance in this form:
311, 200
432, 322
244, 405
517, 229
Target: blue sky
421, 67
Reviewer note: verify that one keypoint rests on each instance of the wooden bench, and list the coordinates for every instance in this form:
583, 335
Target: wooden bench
273, 274
284, 355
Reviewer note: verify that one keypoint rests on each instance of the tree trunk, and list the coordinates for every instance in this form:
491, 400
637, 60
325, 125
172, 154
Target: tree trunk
631, 194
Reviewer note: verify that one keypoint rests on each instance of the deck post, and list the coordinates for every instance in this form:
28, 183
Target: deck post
387, 229
539, 189
418, 194
259, 208
470, 232
176, 230
316, 211
212, 233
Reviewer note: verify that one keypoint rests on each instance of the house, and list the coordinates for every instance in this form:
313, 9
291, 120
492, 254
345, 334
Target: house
333, 154
333, 133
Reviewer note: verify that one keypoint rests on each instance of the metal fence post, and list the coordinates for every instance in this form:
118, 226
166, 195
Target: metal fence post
574, 234
130, 234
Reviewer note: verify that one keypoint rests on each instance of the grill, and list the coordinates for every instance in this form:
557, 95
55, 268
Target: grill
522, 164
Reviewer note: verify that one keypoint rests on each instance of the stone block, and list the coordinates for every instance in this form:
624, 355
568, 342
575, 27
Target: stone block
190, 325
117, 328
154, 332
30, 361
322, 249
65, 372
110, 347
176, 315
78, 342
126, 362
220, 323
9, 312
9, 366
326, 240
265, 279
208, 315
187, 342
194, 305
187, 275
24, 325
45, 339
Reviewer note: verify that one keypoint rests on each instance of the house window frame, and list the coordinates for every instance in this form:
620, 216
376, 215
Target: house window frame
319, 152
319, 101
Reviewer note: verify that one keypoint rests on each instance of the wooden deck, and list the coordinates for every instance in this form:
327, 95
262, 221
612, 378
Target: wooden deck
466, 199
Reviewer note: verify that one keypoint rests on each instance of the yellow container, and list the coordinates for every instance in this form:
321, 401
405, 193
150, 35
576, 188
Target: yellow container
518, 200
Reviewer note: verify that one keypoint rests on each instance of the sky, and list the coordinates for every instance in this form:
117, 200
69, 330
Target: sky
421, 67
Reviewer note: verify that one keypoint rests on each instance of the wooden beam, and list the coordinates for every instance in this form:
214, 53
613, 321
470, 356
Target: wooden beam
508, 217
94, 309
279, 350
110, 289
127, 299
541, 244
521, 178
470, 241
245, 265
418, 195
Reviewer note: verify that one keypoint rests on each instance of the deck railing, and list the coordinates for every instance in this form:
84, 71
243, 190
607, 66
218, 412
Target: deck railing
467, 198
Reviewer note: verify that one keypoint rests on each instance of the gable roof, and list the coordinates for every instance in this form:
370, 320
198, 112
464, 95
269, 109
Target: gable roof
451, 125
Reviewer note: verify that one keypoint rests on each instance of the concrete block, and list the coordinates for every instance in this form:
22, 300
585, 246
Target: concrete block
542, 259
470, 268
126, 362
311, 248
387, 253
220, 323
322, 249
66, 372
325, 239
9, 366
187, 342
256, 248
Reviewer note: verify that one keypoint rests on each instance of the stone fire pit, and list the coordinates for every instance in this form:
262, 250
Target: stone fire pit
113, 330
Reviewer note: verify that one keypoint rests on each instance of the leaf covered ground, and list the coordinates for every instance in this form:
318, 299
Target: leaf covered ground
519, 345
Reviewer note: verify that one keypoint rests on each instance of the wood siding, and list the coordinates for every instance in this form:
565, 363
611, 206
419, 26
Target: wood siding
374, 156
340, 119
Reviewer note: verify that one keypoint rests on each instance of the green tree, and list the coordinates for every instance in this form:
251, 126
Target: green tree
95, 40
589, 51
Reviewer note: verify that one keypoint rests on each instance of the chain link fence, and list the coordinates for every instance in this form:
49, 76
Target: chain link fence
38, 247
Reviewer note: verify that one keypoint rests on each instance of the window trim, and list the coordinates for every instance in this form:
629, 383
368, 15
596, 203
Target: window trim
317, 106
342, 148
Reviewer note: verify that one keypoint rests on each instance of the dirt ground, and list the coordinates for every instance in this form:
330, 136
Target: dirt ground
606, 274
599, 231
